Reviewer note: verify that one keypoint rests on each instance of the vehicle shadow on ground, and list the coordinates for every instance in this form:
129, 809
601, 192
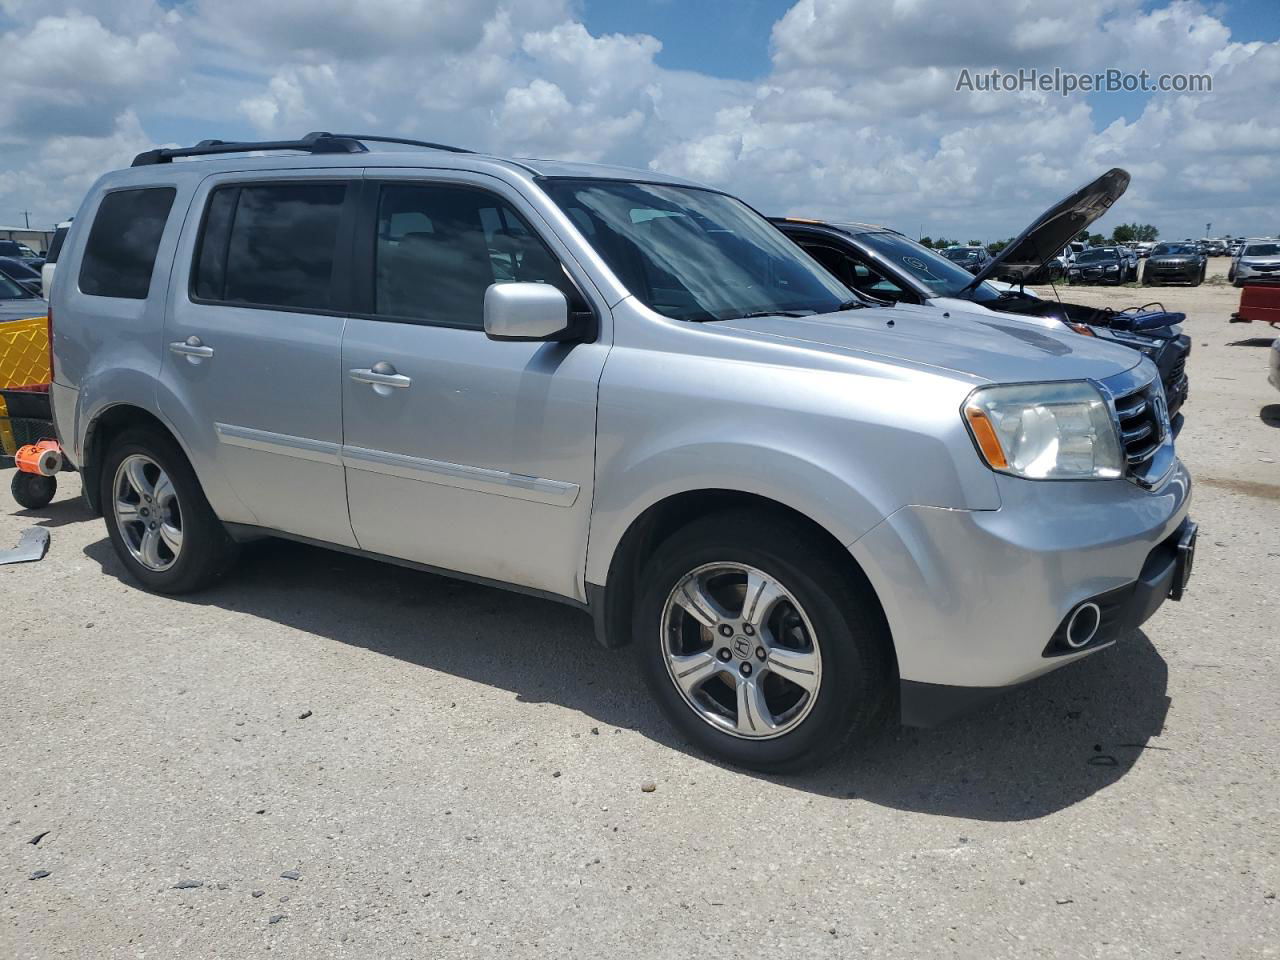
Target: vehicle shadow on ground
59, 513
1253, 342
1270, 414
1036, 751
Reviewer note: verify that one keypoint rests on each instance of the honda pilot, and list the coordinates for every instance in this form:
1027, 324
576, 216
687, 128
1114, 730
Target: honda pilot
622, 391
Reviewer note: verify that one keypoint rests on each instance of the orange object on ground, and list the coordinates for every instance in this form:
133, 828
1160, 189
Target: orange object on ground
43, 458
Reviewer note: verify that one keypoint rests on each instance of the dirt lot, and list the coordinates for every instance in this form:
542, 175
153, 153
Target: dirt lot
466, 780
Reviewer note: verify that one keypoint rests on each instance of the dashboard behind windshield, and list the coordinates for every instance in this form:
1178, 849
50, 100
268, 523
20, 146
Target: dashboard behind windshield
694, 254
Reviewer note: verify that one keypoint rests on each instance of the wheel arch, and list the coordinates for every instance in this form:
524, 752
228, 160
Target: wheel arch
611, 602
105, 426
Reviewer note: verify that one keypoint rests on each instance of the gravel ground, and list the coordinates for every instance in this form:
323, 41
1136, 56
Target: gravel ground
454, 771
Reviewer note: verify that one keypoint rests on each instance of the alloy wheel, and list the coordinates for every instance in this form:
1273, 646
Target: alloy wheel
741, 650
147, 512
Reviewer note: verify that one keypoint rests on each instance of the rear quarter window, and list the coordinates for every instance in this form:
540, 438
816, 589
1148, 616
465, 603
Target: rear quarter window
121, 251
55, 245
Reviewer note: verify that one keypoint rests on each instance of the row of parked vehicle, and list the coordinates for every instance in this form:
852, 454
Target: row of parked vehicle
811, 472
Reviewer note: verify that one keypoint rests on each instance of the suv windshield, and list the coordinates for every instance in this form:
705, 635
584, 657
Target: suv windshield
1262, 250
694, 254
1164, 249
1096, 256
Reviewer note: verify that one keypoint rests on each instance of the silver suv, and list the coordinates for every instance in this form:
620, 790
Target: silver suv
622, 391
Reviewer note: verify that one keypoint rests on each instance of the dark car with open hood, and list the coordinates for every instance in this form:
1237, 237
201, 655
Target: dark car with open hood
883, 263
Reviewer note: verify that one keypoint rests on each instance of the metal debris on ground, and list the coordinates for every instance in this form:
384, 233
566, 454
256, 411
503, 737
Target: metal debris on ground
32, 545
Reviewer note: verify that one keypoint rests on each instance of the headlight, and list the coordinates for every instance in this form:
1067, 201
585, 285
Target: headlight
1045, 431
1112, 269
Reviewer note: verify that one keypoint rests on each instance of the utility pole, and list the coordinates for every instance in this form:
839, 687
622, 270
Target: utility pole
1208, 229
27, 216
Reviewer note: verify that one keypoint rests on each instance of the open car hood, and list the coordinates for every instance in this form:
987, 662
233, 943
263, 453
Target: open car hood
1055, 228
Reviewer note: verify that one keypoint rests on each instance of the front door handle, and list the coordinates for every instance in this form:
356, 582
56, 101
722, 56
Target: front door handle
382, 377
192, 349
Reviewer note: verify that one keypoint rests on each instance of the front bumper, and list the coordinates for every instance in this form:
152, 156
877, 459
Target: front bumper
974, 598
1182, 273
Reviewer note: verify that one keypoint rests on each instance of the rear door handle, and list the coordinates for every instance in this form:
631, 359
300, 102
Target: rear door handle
192, 349
382, 376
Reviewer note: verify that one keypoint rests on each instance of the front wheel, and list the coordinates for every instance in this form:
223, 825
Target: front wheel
760, 643
162, 527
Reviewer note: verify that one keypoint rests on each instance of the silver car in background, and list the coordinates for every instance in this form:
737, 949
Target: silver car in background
622, 391
1259, 262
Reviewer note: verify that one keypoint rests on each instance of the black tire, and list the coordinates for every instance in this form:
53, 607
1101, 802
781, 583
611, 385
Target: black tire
857, 665
32, 491
207, 552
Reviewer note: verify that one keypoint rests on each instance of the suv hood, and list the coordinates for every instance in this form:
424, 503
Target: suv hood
1056, 228
980, 345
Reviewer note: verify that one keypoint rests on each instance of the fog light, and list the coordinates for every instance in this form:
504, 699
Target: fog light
1083, 625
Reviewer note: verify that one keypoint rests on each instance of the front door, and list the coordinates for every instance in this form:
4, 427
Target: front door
251, 373
465, 453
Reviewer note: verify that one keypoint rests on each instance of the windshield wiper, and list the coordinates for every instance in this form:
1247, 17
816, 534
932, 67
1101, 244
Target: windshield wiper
772, 313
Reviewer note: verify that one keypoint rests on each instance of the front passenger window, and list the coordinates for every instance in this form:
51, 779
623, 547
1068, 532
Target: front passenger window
440, 247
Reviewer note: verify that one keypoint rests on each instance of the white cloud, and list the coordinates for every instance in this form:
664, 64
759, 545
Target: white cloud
858, 117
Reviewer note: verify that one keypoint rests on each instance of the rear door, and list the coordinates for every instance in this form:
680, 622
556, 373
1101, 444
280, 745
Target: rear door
251, 373
465, 453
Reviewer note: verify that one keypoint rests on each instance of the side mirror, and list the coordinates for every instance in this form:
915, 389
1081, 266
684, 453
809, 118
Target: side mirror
526, 311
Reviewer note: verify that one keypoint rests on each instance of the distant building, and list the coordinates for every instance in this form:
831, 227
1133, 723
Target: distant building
38, 240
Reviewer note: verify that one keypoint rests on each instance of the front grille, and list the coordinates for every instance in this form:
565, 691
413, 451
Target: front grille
1142, 425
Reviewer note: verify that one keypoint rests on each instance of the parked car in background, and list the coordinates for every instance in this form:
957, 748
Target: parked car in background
21, 271
1259, 262
1235, 247
20, 251
545, 372
1101, 265
1144, 248
1214, 248
1177, 262
1131, 258
51, 259
881, 262
972, 259
17, 302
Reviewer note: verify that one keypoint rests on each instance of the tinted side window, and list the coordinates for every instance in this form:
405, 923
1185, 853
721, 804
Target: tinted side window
270, 245
55, 246
440, 247
121, 251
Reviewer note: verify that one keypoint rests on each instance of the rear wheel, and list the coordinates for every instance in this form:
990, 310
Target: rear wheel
760, 644
160, 523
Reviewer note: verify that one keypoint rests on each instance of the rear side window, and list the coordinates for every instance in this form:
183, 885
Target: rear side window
121, 251
270, 245
55, 246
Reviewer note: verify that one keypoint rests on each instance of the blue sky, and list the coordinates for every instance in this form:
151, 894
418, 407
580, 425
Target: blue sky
831, 108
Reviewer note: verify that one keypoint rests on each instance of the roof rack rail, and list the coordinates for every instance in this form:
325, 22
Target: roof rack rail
316, 142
